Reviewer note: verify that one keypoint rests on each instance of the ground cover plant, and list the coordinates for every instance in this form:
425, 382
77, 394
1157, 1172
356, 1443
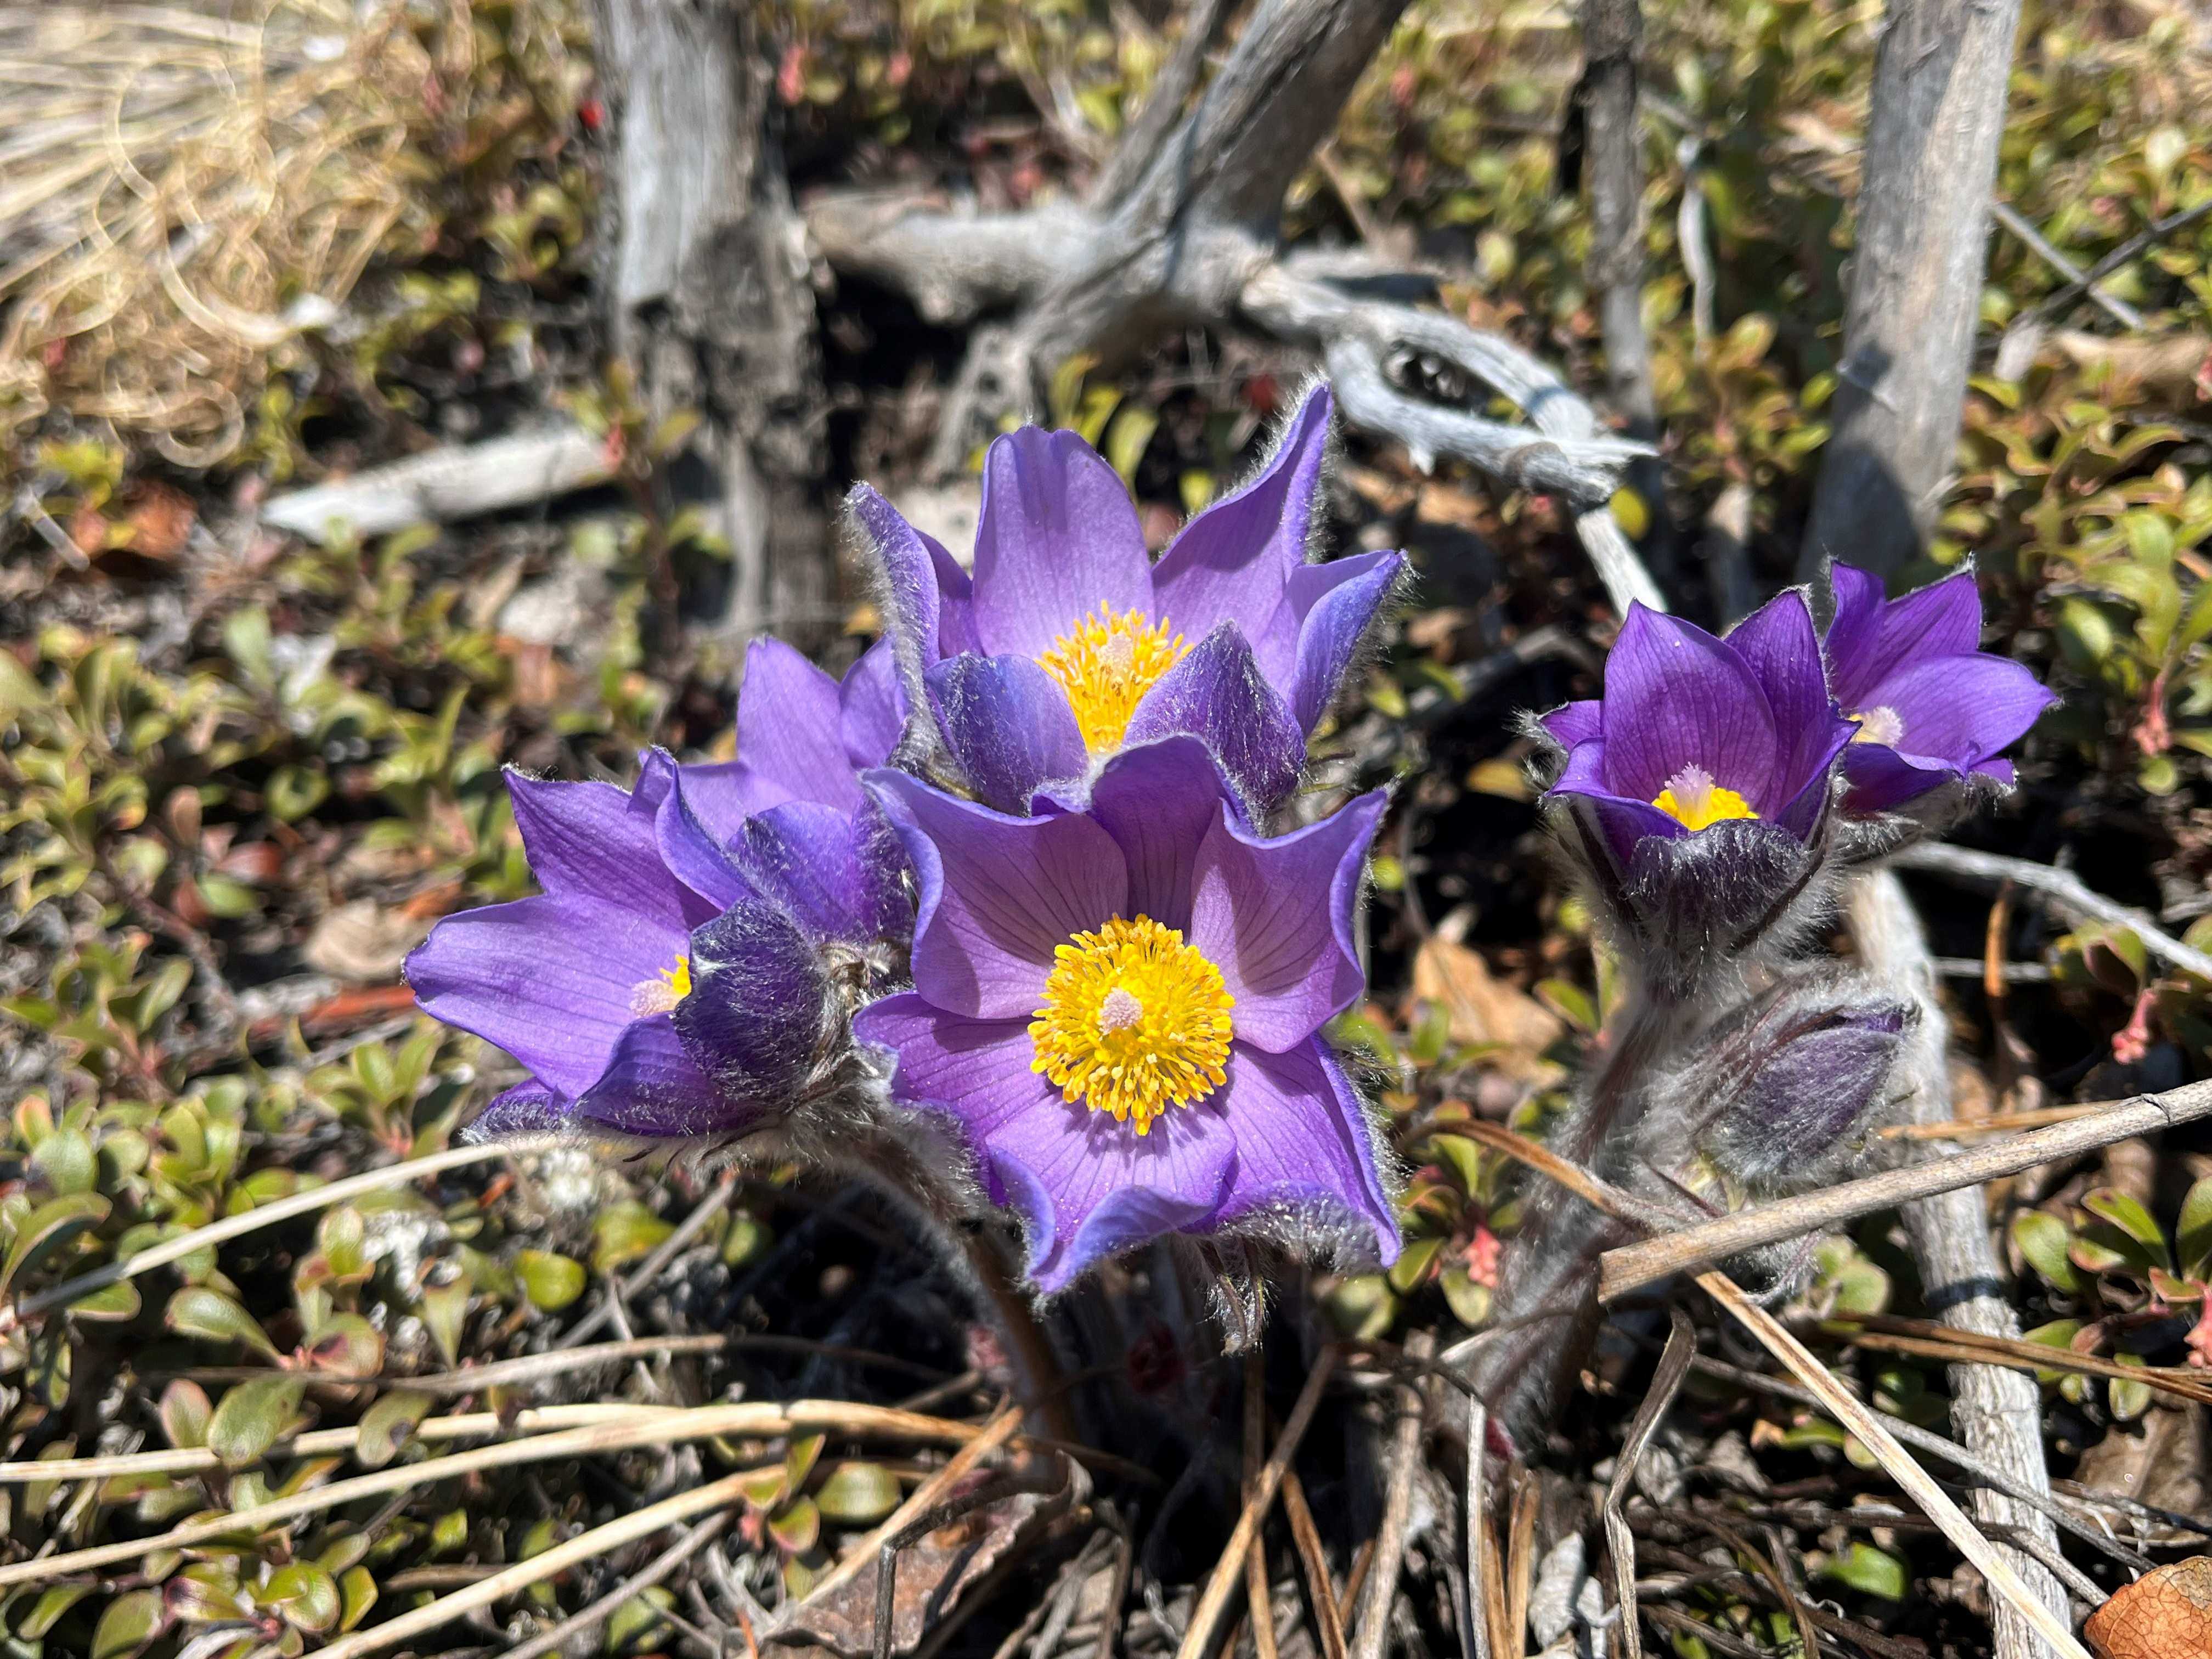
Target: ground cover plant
569, 1089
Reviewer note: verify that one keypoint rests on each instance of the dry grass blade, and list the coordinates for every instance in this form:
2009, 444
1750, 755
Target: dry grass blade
1374, 1624
267, 1215
196, 1460
1934, 1502
538, 1568
1328, 1618
592, 1617
1929, 1340
1620, 1544
1632, 1267
659, 1429
1206, 1617
1257, 1599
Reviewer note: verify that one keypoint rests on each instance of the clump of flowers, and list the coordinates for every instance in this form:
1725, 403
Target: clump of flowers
998, 917
1711, 802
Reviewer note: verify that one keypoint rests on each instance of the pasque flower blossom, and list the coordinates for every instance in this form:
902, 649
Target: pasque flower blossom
1698, 786
1068, 643
1933, 707
680, 974
1118, 1010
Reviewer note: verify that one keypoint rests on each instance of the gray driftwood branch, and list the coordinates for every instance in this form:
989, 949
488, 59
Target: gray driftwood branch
1181, 230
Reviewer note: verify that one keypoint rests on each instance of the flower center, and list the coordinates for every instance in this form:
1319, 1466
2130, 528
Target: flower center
1881, 724
661, 993
1106, 664
1692, 798
1133, 1021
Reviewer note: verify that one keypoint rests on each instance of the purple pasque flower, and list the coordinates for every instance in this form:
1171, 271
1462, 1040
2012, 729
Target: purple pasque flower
1118, 1011
1933, 707
789, 811
1068, 643
650, 990
1694, 731
1699, 785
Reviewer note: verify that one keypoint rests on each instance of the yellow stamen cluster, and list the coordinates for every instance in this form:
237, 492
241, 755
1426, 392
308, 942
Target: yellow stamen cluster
1106, 664
1695, 800
659, 996
1133, 1021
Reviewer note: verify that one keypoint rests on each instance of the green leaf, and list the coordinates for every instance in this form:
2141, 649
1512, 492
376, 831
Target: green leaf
1126, 439
250, 1416
64, 1158
623, 1233
444, 1309
857, 1494
551, 1282
2043, 1239
1411, 1269
2193, 1232
304, 1596
387, 1425
209, 1314
638, 1621
2130, 1400
797, 1526
1872, 1571
49, 1607
1469, 1302
184, 1413
117, 1301
48, 1226
1361, 1308
132, 1622
357, 1594
2129, 1215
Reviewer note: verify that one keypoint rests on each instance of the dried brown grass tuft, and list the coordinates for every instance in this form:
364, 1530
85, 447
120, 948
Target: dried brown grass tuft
186, 189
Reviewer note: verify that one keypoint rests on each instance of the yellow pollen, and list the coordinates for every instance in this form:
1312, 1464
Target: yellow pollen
1695, 800
1133, 1021
1881, 724
1106, 664
658, 995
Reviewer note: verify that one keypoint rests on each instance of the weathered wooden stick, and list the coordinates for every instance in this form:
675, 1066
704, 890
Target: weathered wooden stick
459, 482
1632, 1267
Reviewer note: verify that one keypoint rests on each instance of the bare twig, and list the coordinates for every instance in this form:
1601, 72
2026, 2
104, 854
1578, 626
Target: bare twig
649, 1271
1258, 1601
1206, 1617
1374, 1622
2126, 253
641, 1523
2120, 311
644, 1429
1328, 1619
1633, 1266
2061, 888
1620, 1544
591, 1618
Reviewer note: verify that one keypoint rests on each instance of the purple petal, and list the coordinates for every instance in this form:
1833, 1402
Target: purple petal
1573, 723
1304, 1145
1882, 779
1090, 1187
1083, 1184
552, 979
721, 795
1780, 646
1009, 724
926, 593
871, 707
1158, 800
1943, 619
791, 728
1676, 696
1337, 602
1059, 537
1235, 559
1276, 917
692, 853
651, 1086
596, 843
1961, 708
1217, 693
999, 895
1849, 640
822, 867
754, 1020
527, 1108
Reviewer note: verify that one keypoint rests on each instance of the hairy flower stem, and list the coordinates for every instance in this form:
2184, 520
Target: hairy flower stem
1549, 1272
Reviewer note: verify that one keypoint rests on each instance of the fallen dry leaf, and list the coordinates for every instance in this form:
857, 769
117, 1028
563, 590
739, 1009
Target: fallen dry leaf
2166, 1614
364, 941
159, 521
2159, 1460
1483, 1008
